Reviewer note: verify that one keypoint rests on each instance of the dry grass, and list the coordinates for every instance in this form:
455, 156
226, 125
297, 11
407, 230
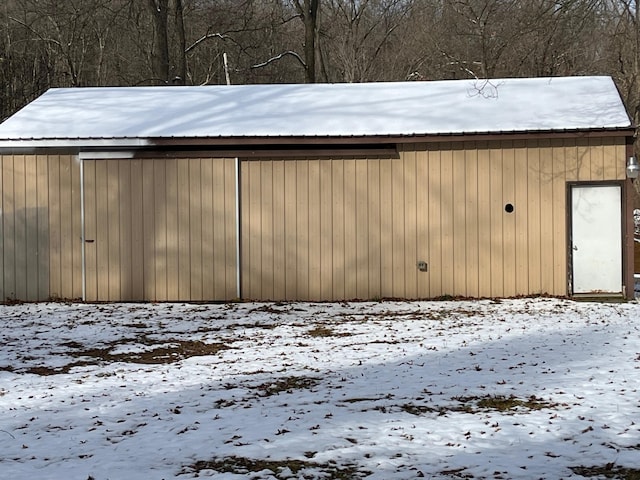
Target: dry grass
608, 471
286, 385
479, 404
280, 469
169, 351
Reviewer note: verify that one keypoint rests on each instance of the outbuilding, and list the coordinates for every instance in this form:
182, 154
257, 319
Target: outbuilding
473, 188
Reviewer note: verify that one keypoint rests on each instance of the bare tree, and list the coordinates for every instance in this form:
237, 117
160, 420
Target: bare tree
623, 41
360, 36
159, 51
308, 11
46, 43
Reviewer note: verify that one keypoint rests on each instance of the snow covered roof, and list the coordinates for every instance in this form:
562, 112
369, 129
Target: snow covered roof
140, 114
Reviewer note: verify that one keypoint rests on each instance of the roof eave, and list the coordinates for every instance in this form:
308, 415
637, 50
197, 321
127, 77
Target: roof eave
79, 144
407, 138
73, 143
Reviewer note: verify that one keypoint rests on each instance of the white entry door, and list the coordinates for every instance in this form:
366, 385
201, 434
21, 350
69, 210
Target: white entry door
596, 233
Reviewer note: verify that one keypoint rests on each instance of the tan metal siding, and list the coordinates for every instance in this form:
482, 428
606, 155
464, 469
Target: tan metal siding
279, 224
207, 231
375, 225
559, 216
20, 227
470, 200
41, 280
483, 222
432, 238
8, 230
160, 229
40, 248
312, 229
65, 270
524, 204
422, 221
125, 215
355, 228
352, 234
509, 219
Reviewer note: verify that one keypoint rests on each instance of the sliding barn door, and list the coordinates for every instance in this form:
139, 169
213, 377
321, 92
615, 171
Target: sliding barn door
160, 229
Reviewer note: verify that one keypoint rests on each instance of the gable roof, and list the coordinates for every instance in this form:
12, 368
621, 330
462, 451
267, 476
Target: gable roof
137, 115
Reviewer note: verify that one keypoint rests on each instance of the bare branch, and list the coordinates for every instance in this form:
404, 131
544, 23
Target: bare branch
462, 65
299, 8
35, 32
203, 38
280, 56
484, 88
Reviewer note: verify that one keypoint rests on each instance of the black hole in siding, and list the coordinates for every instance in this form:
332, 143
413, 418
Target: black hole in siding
508, 208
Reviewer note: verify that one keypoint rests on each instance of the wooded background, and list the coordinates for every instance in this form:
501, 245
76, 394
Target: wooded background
72, 43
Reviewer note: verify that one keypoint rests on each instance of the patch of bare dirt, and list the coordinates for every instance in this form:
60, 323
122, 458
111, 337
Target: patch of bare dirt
170, 351
280, 469
479, 404
608, 471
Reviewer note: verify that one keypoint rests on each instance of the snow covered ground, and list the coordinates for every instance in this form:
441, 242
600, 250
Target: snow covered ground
527, 388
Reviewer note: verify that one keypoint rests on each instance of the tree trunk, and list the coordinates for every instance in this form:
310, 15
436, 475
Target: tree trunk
309, 14
181, 56
160, 46
636, 61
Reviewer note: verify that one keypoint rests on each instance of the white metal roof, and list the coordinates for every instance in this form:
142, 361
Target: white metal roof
133, 115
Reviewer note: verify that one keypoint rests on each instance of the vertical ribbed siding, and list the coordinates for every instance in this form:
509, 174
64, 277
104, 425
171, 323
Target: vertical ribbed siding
312, 229
160, 229
349, 229
40, 248
356, 227
506, 254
